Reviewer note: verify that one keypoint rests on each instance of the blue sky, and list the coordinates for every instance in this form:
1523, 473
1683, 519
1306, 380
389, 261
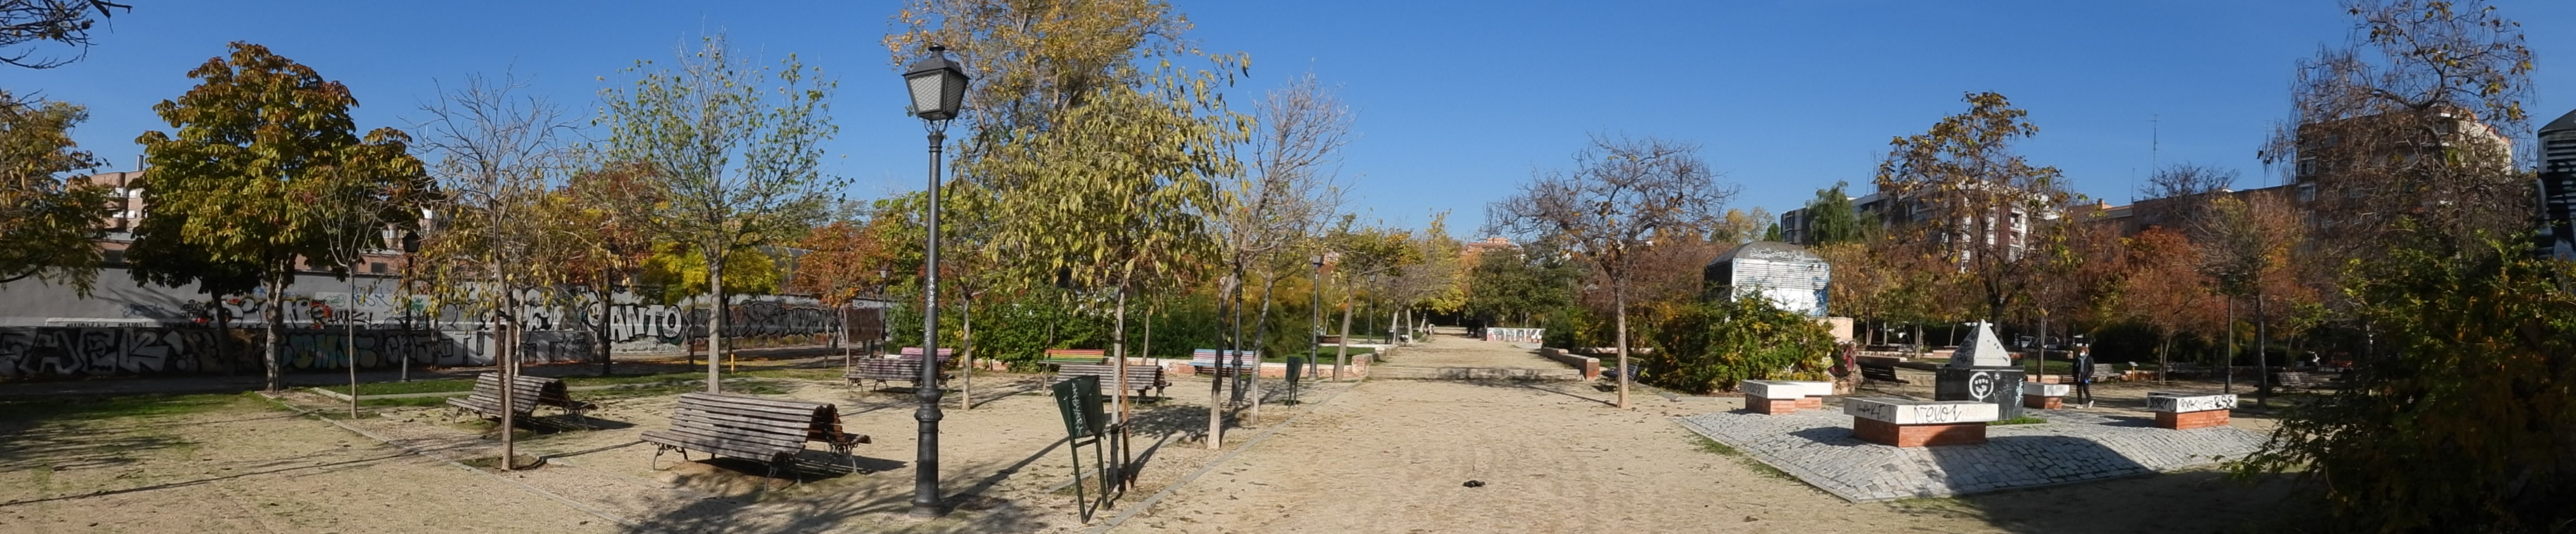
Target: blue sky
1457, 102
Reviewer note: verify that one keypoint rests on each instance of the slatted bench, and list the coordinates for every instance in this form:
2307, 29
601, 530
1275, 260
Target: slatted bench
1139, 377
1076, 356
905, 366
1880, 373
770, 431
2306, 380
2101, 372
1209, 361
531, 391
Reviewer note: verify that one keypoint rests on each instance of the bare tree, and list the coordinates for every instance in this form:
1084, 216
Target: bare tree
2407, 129
2184, 190
28, 22
1621, 193
1973, 199
1302, 129
498, 154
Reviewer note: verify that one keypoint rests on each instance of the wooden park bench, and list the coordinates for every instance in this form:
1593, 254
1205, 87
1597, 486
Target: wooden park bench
2306, 380
1139, 377
905, 366
1207, 361
531, 391
770, 431
2182, 369
1880, 373
2102, 372
1076, 356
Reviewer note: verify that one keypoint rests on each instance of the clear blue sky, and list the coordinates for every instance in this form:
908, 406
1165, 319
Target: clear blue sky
1457, 102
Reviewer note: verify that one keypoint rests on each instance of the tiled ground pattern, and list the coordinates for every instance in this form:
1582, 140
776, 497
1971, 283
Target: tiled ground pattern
1817, 447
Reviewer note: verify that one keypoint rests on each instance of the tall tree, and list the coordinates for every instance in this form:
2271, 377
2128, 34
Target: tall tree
2248, 253
1831, 219
1089, 131
1621, 193
2412, 121
1974, 201
498, 156
48, 218
261, 149
1287, 195
26, 23
734, 150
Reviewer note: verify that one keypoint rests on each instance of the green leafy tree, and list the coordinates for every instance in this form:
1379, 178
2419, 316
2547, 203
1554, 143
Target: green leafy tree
48, 219
734, 153
1519, 286
1102, 149
263, 157
2458, 419
1831, 219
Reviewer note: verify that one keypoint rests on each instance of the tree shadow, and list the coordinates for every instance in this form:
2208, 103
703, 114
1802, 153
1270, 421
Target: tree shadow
1839, 436
261, 469
1557, 387
2155, 503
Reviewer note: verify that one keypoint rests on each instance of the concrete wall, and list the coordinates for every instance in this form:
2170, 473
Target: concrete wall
122, 328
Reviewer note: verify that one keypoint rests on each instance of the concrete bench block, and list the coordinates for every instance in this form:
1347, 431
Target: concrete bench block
1912, 423
2044, 396
2185, 411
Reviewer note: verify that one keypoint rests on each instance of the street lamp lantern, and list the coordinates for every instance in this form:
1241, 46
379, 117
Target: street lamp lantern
938, 86
938, 94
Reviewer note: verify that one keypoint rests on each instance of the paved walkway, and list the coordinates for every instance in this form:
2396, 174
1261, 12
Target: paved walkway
1449, 355
1817, 447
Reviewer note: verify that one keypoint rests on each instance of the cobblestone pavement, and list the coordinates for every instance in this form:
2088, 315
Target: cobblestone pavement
1817, 447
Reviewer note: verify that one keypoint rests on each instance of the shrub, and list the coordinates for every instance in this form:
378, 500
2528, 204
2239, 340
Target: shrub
1707, 347
2462, 417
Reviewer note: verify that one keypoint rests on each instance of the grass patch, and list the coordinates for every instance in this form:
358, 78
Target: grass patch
1722, 449
416, 386
2023, 420
403, 402
117, 407
1715, 446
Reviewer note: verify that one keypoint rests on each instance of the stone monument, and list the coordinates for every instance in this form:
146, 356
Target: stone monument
1981, 371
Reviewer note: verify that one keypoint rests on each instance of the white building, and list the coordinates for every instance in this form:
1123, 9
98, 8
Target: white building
1787, 275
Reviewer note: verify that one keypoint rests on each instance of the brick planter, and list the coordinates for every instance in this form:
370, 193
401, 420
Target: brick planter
1775, 397
1911, 423
2185, 411
1896, 435
2044, 396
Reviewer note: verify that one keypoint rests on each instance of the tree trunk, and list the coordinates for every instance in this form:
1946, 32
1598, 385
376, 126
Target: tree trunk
1619, 299
349, 337
1260, 331
1342, 355
2227, 368
2262, 353
2042, 369
2164, 359
966, 354
276, 311
1216, 378
1118, 337
715, 322
506, 350
601, 331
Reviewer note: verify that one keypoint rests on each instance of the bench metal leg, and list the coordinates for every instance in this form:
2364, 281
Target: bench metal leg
848, 457
658, 449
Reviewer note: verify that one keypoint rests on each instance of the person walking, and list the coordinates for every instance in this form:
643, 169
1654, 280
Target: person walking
2084, 374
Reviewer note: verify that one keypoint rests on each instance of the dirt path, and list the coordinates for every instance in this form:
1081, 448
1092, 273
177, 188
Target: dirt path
1395, 456
235, 464
1447, 349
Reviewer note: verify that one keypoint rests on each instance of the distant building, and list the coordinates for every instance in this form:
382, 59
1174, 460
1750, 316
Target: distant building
2558, 187
1788, 275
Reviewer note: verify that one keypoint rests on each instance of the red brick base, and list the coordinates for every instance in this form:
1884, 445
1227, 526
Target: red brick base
2191, 420
2044, 403
1891, 434
1782, 406
1770, 406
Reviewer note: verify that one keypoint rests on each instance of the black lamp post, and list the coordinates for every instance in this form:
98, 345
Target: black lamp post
938, 89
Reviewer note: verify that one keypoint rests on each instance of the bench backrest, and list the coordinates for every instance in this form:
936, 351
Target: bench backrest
531, 390
914, 353
1138, 376
1210, 358
1077, 353
1878, 372
776, 426
886, 367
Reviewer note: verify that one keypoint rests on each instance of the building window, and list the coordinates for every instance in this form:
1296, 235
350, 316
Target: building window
376, 267
2307, 192
2307, 167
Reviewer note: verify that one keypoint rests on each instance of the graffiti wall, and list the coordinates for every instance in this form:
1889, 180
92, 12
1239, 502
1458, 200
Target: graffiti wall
123, 329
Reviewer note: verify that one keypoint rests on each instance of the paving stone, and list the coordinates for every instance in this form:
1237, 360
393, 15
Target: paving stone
1816, 446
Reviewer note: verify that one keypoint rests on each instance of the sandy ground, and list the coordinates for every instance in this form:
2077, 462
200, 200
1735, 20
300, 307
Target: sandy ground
1394, 456
244, 466
1380, 456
